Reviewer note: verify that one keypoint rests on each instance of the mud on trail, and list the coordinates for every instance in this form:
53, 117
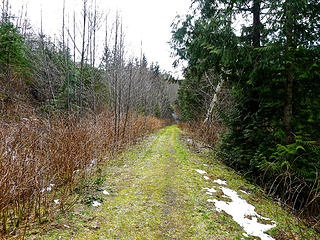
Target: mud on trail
162, 189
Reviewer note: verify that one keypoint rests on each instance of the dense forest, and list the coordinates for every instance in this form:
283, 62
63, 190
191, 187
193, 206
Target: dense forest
63, 109
252, 90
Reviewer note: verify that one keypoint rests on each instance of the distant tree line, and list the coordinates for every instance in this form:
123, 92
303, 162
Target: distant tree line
66, 74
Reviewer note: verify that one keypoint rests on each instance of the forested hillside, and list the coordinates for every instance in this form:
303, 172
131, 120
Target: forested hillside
252, 90
63, 109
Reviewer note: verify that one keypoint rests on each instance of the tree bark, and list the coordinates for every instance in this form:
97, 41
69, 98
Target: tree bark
256, 33
94, 54
128, 101
83, 52
288, 113
115, 78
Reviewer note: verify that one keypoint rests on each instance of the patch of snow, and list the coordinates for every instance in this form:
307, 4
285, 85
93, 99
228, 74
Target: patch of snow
210, 201
244, 192
93, 162
206, 178
210, 190
57, 201
239, 209
106, 192
246, 235
219, 181
200, 171
29, 119
96, 204
47, 189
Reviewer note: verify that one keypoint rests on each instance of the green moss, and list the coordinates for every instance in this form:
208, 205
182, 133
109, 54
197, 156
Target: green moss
156, 194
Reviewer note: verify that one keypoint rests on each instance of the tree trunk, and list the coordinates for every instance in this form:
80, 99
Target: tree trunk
214, 101
94, 54
128, 102
288, 114
83, 52
115, 79
256, 43
256, 35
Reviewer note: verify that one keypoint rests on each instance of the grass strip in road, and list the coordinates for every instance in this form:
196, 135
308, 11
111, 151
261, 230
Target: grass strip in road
155, 193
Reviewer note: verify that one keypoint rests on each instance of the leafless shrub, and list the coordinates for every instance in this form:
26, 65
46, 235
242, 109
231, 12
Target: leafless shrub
38, 154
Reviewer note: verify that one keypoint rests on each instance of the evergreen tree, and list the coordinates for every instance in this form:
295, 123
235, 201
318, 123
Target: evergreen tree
272, 71
11, 49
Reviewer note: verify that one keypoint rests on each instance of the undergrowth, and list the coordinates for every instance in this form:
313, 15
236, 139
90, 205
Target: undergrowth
287, 172
40, 156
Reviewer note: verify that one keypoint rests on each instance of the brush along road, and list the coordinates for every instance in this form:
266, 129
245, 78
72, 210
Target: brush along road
166, 189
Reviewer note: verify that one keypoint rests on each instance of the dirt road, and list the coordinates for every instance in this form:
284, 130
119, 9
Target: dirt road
162, 189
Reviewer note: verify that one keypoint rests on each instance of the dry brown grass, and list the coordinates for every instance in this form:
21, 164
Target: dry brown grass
208, 133
37, 152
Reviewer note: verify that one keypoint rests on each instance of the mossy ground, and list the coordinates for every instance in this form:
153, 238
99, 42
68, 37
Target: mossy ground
155, 193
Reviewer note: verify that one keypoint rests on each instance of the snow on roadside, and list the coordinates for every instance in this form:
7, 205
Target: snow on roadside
243, 213
221, 182
96, 204
200, 171
244, 192
106, 192
210, 191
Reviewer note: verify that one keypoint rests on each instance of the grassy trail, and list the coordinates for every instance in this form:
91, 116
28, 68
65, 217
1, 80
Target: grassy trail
155, 193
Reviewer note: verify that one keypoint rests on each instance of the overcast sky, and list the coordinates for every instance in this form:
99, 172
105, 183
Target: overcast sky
144, 20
